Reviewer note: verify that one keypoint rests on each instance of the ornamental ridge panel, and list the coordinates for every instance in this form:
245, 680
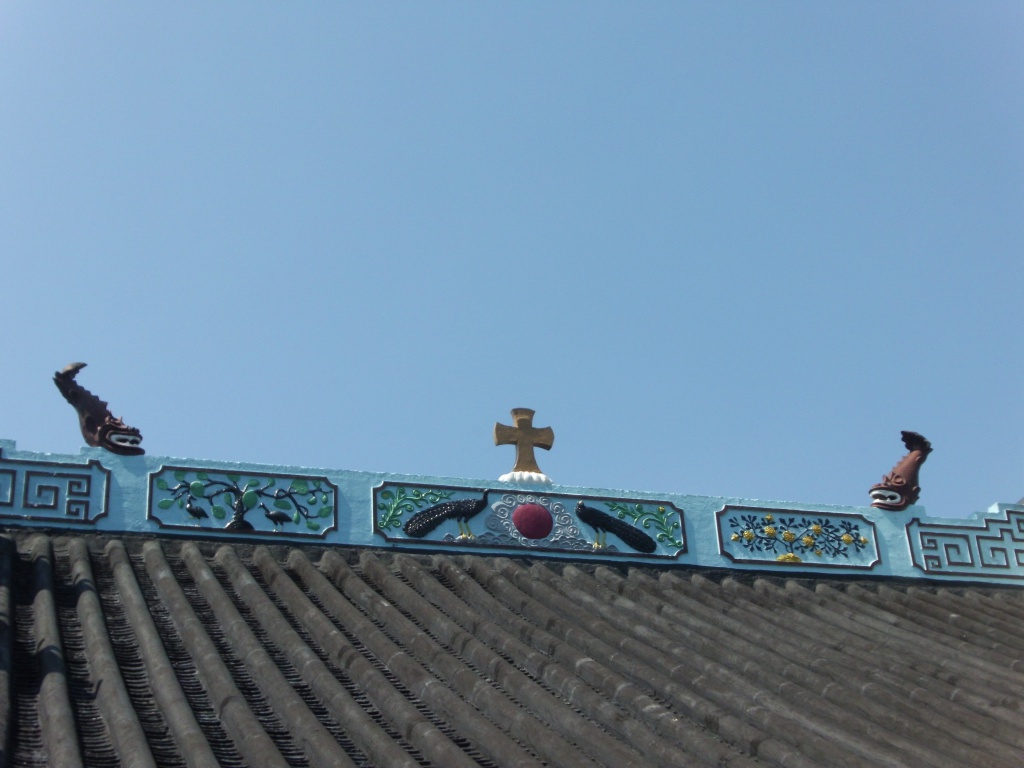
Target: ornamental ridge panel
790, 537
242, 502
992, 546
184, 498
518, 520
44, 491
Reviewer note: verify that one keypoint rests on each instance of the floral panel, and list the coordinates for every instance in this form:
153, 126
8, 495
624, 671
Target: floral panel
789, 537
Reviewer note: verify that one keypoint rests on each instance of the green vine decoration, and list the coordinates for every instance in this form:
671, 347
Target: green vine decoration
393, 504
301, 500
663, 521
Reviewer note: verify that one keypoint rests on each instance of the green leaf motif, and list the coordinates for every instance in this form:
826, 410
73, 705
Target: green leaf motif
219, 512
326, 511
299, 486
166, 504
179, 476
270, 484
202, 475
197, 488
660, 518
161, 484
283, 504
392, 504
234, 478
312, 525
250, 499
296, 517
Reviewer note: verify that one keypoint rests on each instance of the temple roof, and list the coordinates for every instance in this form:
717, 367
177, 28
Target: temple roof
134, 651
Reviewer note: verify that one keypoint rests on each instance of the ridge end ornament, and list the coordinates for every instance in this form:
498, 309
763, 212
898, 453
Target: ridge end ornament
100, 428
899, 489
525, 437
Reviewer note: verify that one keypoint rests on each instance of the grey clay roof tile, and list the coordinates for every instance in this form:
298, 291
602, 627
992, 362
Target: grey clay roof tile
134, 653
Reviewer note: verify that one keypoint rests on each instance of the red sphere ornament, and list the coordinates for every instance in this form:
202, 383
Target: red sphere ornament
532, 520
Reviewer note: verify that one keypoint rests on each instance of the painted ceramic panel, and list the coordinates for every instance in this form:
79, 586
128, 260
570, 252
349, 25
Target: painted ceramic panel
784, 537
516, 520
992, 546
182, 497
45, 491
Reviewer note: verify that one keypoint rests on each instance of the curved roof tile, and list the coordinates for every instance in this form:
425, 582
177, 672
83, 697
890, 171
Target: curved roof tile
138, 652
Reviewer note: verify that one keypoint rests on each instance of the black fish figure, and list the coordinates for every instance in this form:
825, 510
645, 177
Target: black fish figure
422, 523
603, 524
99, 427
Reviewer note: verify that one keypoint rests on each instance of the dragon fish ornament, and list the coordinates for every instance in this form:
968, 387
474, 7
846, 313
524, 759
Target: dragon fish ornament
99, 427
899, 489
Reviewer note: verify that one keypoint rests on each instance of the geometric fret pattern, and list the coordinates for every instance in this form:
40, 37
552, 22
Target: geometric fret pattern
994, 547
39, 490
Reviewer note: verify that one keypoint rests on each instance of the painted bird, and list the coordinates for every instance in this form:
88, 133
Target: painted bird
277, 517
603, 524
461, 511
197, 512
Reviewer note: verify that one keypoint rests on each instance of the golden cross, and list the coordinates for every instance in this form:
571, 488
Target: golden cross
524, 436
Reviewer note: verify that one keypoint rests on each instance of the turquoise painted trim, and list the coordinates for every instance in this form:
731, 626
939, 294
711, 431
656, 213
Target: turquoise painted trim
124, 495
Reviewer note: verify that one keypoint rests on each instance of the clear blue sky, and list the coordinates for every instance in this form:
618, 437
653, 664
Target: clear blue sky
721, 248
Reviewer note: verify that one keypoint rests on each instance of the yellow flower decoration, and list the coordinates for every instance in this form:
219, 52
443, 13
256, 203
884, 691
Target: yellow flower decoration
769, 531
789, 557
788, 536
846, 538
807, 541
748, 534
817, 552
769, 518
863, 539
816, 530
735, 537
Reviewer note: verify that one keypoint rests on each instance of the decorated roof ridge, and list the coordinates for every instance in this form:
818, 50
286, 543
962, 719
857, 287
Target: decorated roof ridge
188, 498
